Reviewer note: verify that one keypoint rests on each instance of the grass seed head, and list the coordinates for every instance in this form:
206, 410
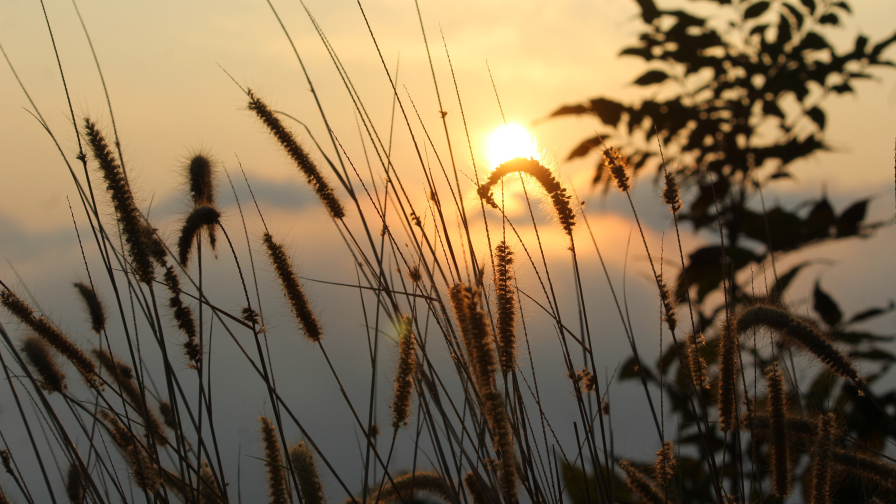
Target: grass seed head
39, 356
640, 484
560, 199
292, 289
729, 349
132, 225
202, 216
777, 406
506, 307
298, 155
306, 470
74, 485
616, 163
404, 375
49, 333
798, 330
671, 193
94, 306
273, 462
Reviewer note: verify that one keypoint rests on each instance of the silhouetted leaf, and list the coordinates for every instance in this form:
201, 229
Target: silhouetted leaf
756, 10
607, 110
849, 220
579, 486
861, 45
585, 147
842, 5
842, 88
813, 40
826, 307
870, 314
810, 4
879, 47
830, 19
784, 281
570, 110
651, 77
820, 220
817, 115
770, 107
649, 12
876, 354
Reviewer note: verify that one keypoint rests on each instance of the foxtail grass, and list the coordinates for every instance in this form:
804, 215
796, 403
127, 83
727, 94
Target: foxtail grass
273, 462
780, 452
201, 217
94, 306
729, 350
38, 355
74, 485
404, 375
640, 484
664, 468
795, 329
123, 376
506, 307
474, 488
299, 156
292, 289
144, 472
183, 316
560, 199
134, 229
821, 460
306, 471
49, 333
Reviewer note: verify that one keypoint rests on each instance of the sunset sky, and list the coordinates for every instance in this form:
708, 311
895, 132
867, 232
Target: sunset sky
163, 60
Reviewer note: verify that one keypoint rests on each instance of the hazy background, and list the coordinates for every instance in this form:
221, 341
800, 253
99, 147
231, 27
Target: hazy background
170, 98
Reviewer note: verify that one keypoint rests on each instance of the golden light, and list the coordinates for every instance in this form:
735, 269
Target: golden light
508, 142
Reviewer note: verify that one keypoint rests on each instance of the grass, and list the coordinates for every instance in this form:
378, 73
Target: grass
141, 428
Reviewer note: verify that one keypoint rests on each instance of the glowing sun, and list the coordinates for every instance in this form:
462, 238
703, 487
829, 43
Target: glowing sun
509, 142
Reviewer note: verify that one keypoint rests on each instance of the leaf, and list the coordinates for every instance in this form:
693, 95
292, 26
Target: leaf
649, 12
607, 110
817, 115
820, 219
826, 307
585, 147
830, 19
579, 486
849, 220
770, 107
879, 47
784, 281
843, 5
569, 110
870, 314
875, 354
810, 4
651, 77
842, 88
756, 10
861, 45
813, 40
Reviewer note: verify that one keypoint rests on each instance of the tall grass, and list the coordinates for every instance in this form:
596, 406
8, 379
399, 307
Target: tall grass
136, 429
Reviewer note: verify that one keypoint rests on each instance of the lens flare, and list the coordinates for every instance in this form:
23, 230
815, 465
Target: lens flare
509, 142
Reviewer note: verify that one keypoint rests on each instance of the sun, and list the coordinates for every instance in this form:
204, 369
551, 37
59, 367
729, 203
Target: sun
509, 142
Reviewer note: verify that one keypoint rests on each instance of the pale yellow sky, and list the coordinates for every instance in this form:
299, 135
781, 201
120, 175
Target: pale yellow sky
160, 61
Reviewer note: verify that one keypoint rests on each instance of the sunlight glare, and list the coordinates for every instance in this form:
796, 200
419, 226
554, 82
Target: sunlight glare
508, 142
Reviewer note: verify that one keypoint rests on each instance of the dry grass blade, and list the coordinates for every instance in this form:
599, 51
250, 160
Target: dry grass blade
123, 375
